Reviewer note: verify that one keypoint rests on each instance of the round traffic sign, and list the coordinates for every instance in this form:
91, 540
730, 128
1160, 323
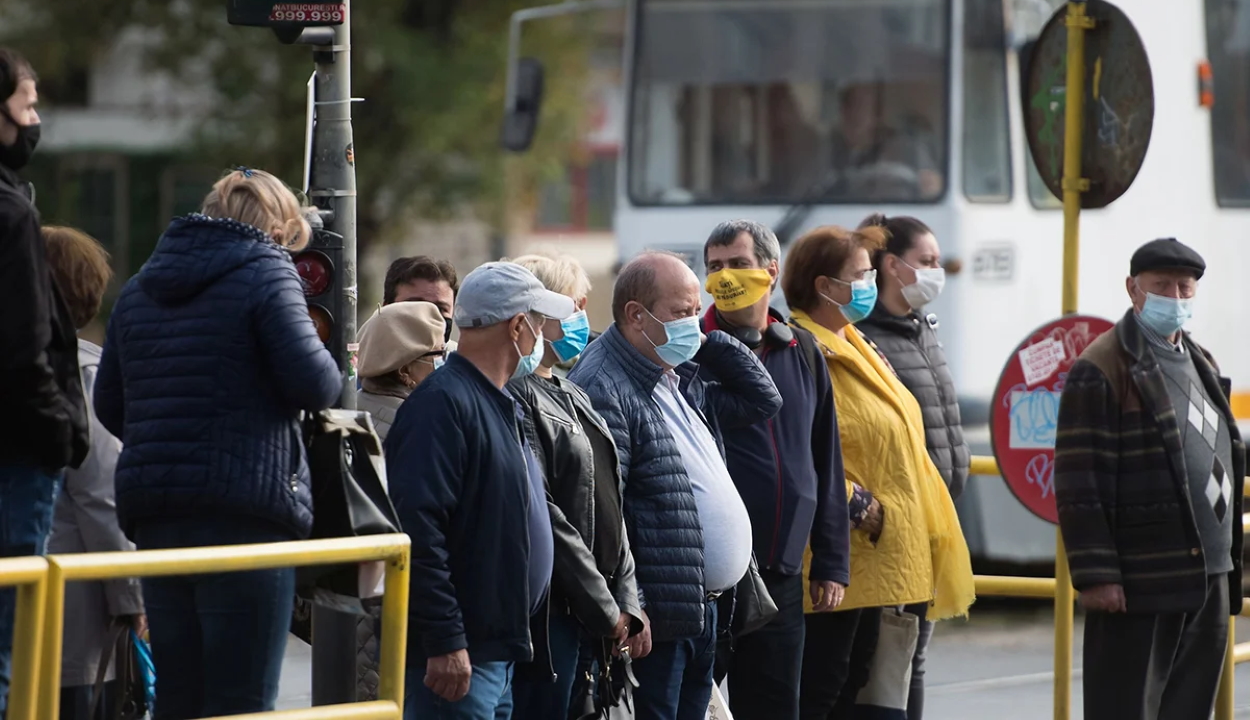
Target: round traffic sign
1119, 103
1025, 409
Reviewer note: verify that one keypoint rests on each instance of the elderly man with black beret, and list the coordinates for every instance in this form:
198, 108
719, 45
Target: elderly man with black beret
1149, 468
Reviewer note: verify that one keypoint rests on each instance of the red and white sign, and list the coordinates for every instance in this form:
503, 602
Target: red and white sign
327, 13
1025, 410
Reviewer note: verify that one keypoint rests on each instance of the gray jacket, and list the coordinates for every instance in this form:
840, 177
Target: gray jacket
911, 346
85, 520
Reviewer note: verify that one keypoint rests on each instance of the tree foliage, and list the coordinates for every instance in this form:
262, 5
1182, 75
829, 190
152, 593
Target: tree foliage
431, 75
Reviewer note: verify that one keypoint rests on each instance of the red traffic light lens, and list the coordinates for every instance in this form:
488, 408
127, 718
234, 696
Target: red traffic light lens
316, 272
322, 321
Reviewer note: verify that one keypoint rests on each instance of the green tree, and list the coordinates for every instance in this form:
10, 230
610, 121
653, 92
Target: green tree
430, 72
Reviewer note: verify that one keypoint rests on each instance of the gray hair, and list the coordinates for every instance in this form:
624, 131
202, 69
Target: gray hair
767, 249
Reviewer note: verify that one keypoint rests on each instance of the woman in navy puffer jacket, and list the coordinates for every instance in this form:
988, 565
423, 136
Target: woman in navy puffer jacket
209, 357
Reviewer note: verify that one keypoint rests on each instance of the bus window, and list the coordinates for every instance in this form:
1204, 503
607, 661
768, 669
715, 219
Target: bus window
986, 131
1228, 48
784, 101
1028, 19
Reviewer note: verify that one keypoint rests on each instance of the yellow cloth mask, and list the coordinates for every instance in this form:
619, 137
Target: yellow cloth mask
736, 289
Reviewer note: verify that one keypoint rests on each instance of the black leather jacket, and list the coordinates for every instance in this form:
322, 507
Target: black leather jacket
39, 376
554, 427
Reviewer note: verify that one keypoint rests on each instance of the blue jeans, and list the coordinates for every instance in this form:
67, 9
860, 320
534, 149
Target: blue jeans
27, 499
675, 680
543, 699
489, 698
217, 640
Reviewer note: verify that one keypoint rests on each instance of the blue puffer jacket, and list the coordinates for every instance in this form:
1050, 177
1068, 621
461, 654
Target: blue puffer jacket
732, 389
209, 357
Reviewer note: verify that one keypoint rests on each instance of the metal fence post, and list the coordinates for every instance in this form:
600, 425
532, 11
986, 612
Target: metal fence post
394, 638
27, 639
53, 631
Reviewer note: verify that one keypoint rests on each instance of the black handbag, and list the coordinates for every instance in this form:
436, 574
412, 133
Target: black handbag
348, 471
753, 606
128, 697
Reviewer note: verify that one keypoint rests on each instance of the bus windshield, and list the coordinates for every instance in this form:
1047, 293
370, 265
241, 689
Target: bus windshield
789, 101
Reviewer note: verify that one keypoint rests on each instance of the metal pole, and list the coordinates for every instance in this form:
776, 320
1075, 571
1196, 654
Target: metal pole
333, 188
1073, 185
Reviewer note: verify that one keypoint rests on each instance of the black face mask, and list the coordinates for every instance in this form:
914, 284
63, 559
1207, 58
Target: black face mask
446, 329
15, 156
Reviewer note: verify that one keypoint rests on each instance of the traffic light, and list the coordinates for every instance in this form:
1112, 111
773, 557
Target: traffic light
320, 267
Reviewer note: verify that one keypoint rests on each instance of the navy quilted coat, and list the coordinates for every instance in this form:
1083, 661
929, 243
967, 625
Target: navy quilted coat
732, 389
210, 356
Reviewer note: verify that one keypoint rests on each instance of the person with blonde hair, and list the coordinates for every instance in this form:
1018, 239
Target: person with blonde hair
593, 606
907, 547
85, 517
209, 358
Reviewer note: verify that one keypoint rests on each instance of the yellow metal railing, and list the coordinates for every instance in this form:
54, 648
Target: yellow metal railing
59, 569
1058, 587
29, 575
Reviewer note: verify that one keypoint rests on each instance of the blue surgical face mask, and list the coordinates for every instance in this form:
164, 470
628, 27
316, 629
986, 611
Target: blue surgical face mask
529, 363
684, 340
438, 361
863, 297
1165, 315
576, 334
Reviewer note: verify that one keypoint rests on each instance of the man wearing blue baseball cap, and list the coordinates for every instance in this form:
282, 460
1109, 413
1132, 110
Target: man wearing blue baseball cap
470, 493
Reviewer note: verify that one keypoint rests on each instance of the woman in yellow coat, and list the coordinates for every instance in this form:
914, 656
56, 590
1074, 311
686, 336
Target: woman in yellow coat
908, 547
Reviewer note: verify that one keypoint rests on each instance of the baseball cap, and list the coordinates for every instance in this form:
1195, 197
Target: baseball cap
499, 291
398, 334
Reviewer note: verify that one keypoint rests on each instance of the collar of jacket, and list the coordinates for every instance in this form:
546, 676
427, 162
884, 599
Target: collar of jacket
1151, 385
908, 325
711, 321
467, 370
641, 371
14, 181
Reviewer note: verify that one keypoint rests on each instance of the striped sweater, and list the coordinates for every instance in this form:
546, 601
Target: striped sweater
1120, 477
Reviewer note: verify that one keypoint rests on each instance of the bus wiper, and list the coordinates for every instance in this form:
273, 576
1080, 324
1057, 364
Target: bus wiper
798, 213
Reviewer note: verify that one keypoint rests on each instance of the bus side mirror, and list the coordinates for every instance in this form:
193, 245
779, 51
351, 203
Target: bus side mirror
520, 122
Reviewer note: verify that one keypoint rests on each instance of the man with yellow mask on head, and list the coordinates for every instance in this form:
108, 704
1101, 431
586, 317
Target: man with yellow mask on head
788, 471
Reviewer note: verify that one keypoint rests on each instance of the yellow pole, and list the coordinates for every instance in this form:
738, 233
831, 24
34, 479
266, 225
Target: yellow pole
1224, 706
394, 649
27, 640
53, 631
1073, 185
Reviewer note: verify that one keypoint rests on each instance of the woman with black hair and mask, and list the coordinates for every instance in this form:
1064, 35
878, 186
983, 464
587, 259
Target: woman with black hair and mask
909, 277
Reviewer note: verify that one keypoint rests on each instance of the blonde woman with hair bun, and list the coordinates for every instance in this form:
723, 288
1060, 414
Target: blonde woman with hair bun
209, 358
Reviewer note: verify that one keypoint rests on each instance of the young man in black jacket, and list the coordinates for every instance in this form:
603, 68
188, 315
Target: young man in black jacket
39, 376
788, 470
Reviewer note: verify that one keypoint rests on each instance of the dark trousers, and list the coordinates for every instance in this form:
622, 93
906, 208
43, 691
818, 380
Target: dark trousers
76, 702
675, 680
27, 498
837, 655
764, 667
915, 695
217, 640
546, 698
1156, 666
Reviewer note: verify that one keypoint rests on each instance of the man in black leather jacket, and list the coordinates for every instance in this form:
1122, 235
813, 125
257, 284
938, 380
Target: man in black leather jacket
39, 376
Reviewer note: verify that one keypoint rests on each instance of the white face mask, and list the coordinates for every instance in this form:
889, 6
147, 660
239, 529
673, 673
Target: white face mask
928, 285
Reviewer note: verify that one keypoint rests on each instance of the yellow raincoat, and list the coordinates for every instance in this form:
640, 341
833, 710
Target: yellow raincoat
921, 554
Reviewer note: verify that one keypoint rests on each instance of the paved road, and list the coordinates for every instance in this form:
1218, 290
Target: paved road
997, 665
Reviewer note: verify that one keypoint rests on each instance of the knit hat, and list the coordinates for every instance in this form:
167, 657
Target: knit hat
398, 334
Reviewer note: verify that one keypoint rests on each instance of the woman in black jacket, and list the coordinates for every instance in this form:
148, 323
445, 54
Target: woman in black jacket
909, 277
594, 598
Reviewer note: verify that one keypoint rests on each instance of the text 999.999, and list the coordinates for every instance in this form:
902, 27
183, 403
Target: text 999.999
327, 13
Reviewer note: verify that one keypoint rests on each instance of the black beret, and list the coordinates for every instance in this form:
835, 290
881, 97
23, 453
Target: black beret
1166, 254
